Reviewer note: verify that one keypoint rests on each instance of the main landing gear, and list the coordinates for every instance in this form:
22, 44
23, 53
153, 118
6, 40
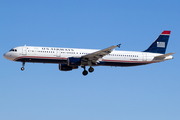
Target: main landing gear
85, 72
23, 66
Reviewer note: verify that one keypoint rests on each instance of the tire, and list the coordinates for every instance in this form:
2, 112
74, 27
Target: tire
91, 69
22, 68
85, 72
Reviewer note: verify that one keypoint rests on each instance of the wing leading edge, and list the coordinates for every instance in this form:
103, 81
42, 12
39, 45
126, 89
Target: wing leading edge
94, 57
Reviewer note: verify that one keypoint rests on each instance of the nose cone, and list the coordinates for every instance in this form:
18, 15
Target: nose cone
5, 56
8, 56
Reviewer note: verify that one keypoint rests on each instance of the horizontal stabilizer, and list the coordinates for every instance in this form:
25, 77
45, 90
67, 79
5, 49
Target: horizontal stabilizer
165, 55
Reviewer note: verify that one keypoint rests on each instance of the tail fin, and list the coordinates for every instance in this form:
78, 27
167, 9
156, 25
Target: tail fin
160, 44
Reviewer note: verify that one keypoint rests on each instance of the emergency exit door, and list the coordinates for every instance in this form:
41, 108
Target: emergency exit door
58, 53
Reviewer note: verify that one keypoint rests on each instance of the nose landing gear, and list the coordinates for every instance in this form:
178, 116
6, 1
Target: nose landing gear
23, 66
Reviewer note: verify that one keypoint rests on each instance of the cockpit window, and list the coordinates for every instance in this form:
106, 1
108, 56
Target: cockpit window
14, 50
11, 50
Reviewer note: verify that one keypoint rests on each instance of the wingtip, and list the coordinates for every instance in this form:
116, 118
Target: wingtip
118, 45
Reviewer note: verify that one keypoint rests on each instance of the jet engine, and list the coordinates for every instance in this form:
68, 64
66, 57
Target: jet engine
65, 67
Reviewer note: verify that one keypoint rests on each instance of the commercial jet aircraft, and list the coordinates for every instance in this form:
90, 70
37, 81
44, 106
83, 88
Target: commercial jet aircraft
71, 58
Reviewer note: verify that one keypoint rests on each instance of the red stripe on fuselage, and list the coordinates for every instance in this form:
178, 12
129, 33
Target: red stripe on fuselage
104, 60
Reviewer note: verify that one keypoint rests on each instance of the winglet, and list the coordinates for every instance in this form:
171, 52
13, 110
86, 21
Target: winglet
118, 45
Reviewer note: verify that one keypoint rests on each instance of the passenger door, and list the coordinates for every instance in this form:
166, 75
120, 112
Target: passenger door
144, 55
58, 53
24, 50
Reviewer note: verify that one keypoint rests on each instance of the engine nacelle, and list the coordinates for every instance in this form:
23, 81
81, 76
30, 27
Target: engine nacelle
65, 67
72, 61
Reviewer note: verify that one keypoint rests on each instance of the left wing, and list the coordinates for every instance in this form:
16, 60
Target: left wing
94, 57
165, 55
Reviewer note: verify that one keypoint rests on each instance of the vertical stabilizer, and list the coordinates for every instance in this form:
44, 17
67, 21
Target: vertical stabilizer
160, 44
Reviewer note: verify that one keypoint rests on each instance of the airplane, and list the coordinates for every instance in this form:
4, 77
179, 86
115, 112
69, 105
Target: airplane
71, 58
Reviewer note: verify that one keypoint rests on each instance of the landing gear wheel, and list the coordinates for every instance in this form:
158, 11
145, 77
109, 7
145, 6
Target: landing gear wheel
22, 68
91, 69
85, 72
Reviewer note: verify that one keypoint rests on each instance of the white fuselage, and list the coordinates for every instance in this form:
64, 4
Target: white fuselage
71, 58
60, 55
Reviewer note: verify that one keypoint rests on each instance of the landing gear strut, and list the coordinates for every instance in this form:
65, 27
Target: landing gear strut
23, 66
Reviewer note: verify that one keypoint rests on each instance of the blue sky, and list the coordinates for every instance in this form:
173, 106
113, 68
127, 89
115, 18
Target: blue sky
149, 92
